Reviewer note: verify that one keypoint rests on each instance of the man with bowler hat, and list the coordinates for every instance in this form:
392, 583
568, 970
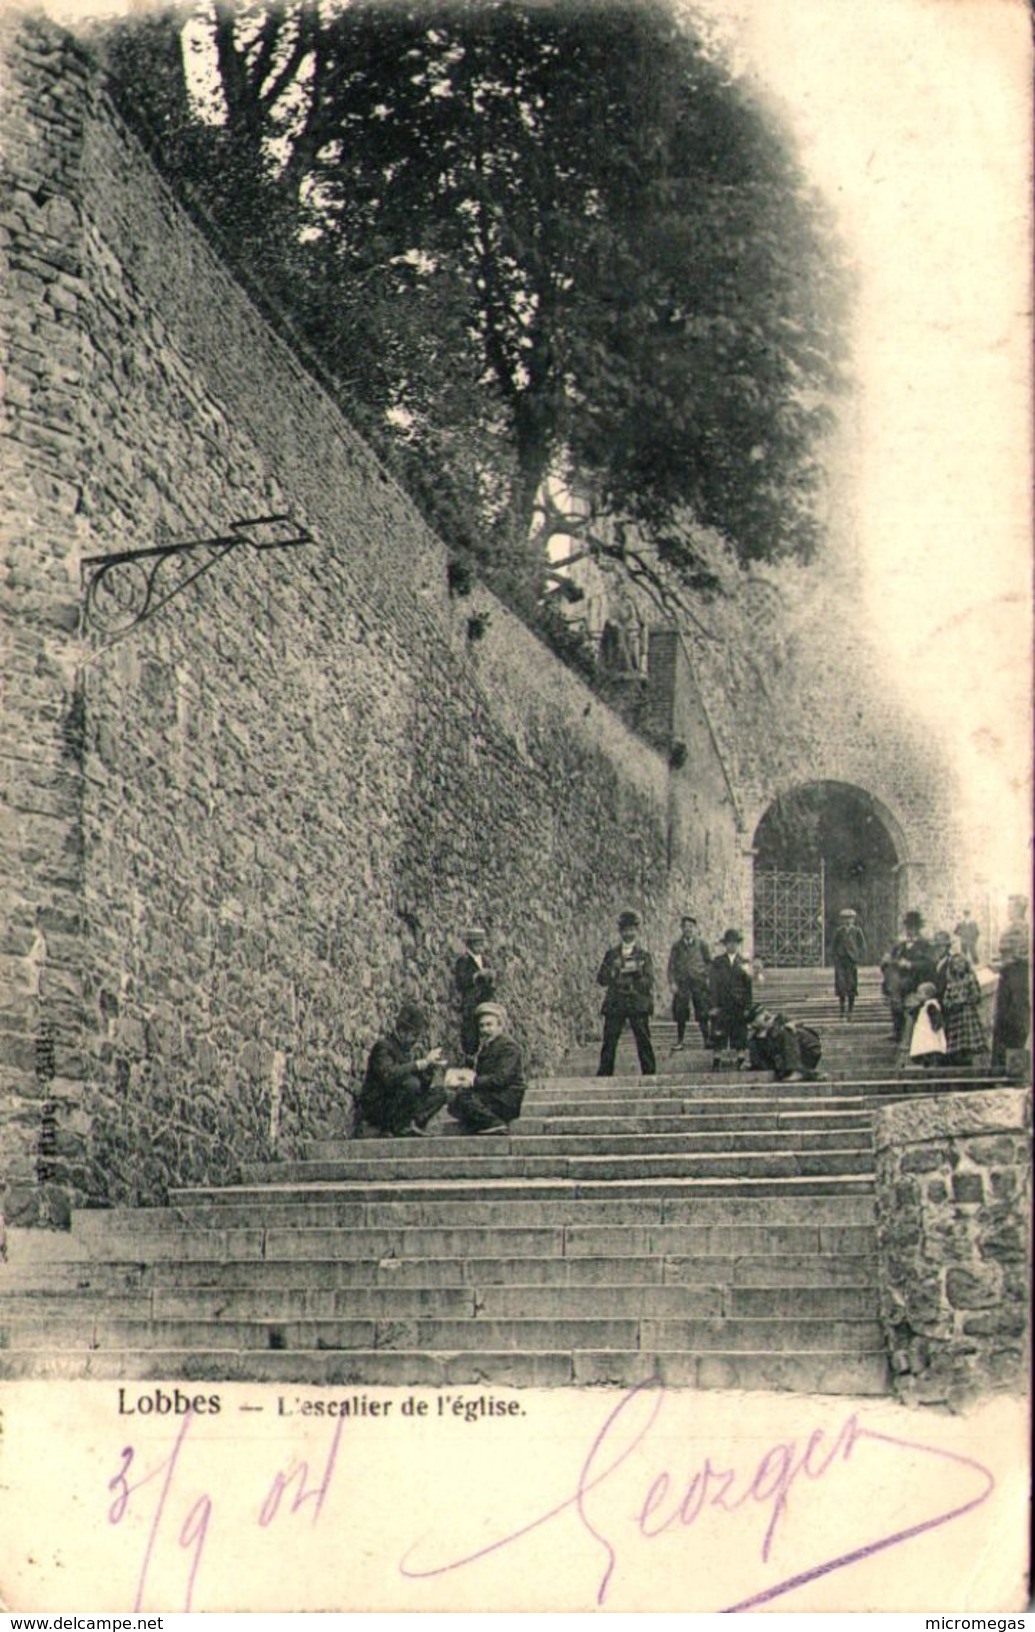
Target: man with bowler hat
729, 992
627, 975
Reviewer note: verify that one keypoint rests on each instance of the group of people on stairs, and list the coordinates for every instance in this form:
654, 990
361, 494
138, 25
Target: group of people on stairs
930, 985
934, 994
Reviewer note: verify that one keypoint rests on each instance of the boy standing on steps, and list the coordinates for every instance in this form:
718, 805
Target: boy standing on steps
688, 964
627, 973
729, 992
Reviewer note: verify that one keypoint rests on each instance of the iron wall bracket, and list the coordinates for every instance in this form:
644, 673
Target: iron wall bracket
122, 590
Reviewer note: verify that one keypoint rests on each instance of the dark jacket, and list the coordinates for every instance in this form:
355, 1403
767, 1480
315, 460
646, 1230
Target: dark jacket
915, 964
688, 964
629, 982
473, 985
499, 1078
391, 1066
785, 1047
849, 944
729, 986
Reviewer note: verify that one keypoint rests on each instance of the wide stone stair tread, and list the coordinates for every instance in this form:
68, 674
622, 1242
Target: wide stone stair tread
104, 1281
573, 1190
816, 1371
421, 1331
504, 1165
223, 1208
636, 1090
847, 1134
620, 1298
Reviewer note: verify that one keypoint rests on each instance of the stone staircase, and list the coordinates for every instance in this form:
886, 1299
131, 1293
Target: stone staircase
704, 1229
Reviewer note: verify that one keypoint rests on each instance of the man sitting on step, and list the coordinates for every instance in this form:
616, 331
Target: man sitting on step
789, 1050
493, 1099
398, 1096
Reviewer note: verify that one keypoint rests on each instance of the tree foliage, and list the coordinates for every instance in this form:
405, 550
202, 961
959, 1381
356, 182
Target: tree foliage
542, 244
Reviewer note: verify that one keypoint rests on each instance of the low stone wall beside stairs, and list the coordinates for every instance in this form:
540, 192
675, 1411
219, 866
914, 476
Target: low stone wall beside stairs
953, 1207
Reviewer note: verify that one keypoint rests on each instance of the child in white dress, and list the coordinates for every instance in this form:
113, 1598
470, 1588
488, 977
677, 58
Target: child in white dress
927, 1042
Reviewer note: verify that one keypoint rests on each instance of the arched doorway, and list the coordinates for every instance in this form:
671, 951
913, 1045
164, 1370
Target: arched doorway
818, 848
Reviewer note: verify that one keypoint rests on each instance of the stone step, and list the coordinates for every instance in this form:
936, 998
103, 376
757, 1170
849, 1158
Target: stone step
847, 1232
672, 1084
752, 1106
618, 1299
569, 1096
696, 1118
485, 1162
644, 1335
398, 1188
842, 1135
806, 1269
237, 1208
819, 1371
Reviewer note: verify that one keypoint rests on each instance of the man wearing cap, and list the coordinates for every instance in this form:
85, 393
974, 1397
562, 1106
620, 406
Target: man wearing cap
849, 950
493, 1099
627, 974
688, 977
475, 983
729, 996
398, 1096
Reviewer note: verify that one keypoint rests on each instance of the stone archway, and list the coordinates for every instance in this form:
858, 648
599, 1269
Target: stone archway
819, 847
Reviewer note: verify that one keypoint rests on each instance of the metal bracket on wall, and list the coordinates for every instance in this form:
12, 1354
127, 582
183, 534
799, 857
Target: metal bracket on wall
121, 590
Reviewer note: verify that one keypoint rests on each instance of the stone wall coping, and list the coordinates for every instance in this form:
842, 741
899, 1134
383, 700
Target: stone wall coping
953, 1116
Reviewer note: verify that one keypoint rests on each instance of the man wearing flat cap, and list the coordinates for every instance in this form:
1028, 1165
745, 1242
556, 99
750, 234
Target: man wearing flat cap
627, 974
398, 1096
475, 983
730, 999
493, 1099
849, 951
688, 964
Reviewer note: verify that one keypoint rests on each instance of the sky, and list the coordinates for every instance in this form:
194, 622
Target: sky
913, 118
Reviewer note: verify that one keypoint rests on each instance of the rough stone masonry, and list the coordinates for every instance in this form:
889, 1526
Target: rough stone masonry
234, 837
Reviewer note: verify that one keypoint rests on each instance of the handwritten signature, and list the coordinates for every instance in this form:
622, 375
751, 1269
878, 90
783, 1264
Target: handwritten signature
670, 1500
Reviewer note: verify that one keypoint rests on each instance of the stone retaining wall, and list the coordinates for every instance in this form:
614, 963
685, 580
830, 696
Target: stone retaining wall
236, 836
953, 1206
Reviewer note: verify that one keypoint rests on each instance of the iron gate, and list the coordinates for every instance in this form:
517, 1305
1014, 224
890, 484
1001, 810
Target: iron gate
789, 929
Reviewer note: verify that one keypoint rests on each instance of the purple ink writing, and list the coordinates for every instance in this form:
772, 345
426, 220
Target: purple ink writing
195, 1528
296, 1480
675, 1500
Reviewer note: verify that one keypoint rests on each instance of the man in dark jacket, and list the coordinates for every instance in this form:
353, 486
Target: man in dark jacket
688, 964
475, 983
627, 973
909, 964
729, 995
494, 1098
398, 1096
